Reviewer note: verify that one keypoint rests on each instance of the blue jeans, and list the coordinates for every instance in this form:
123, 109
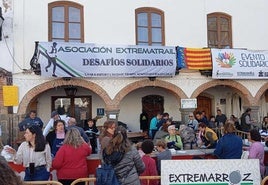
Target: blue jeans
40, 174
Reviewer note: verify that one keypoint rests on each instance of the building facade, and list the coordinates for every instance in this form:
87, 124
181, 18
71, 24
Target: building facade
193, 24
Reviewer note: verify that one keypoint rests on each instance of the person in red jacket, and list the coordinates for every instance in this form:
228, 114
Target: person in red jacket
147, 147
70, 161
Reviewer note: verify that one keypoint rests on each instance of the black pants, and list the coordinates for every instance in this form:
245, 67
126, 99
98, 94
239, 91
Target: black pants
93, 143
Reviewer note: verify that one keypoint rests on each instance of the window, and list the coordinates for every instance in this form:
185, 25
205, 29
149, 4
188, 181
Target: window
219, 26
150, 27
66, 23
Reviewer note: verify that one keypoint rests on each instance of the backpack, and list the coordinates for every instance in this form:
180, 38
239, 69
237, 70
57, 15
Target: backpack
106, 175
187, 134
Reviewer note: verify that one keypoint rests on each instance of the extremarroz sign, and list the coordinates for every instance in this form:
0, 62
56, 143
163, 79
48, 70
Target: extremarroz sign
212, 172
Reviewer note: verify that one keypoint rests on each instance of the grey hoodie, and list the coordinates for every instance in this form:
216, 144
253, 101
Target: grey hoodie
165, 155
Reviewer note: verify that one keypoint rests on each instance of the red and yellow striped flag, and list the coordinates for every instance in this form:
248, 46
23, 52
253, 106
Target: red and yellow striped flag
198, 58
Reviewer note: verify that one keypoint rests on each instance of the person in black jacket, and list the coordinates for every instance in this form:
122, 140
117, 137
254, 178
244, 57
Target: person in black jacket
56, 137
144, 121
92, 132
200, 118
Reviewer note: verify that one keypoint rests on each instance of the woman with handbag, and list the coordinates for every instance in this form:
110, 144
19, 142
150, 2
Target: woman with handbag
124, 158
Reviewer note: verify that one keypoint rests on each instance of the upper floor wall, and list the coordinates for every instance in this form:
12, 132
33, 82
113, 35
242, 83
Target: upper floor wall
113, 22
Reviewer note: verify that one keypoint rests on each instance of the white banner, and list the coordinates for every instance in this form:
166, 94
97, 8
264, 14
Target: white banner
210, 172
67, 59
239, 64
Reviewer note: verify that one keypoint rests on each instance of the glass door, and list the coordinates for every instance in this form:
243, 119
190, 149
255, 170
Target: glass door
79, 107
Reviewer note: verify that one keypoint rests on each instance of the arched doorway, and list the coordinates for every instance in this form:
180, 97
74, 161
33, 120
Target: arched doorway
152, 104
204, 104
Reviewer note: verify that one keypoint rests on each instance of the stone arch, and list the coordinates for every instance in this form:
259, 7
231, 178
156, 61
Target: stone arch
207, 95
146, 83
30, 95
260, 92
240, 89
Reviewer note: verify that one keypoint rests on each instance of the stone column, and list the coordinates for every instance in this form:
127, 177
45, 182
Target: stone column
185, 113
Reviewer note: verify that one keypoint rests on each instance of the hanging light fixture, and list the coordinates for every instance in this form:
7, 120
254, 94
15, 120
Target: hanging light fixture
70, 91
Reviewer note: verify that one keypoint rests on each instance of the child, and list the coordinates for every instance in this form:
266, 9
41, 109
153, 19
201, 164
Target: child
164, 153
147, 147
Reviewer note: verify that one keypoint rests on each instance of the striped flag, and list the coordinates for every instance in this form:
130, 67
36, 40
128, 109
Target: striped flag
194, 58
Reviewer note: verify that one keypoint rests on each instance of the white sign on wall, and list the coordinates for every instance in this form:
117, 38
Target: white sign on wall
67, 59
210, 172
189, 103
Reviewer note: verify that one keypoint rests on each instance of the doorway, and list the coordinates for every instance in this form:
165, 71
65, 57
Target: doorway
152, 104
79, 107
204, 104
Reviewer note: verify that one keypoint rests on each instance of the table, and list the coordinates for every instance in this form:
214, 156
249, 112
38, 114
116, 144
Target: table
136, 136
93, 161
195, 154
16, 167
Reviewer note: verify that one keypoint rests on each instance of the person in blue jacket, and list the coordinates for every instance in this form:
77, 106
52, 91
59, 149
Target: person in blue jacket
31, 120
153, 124
230, 145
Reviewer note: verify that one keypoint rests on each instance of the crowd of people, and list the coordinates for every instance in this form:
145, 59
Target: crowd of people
53, 147
218, 133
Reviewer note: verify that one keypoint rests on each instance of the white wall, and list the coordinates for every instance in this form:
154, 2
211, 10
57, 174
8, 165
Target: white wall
131, 106
113, 22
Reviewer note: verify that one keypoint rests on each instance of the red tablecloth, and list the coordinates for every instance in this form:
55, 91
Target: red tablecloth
16, 167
